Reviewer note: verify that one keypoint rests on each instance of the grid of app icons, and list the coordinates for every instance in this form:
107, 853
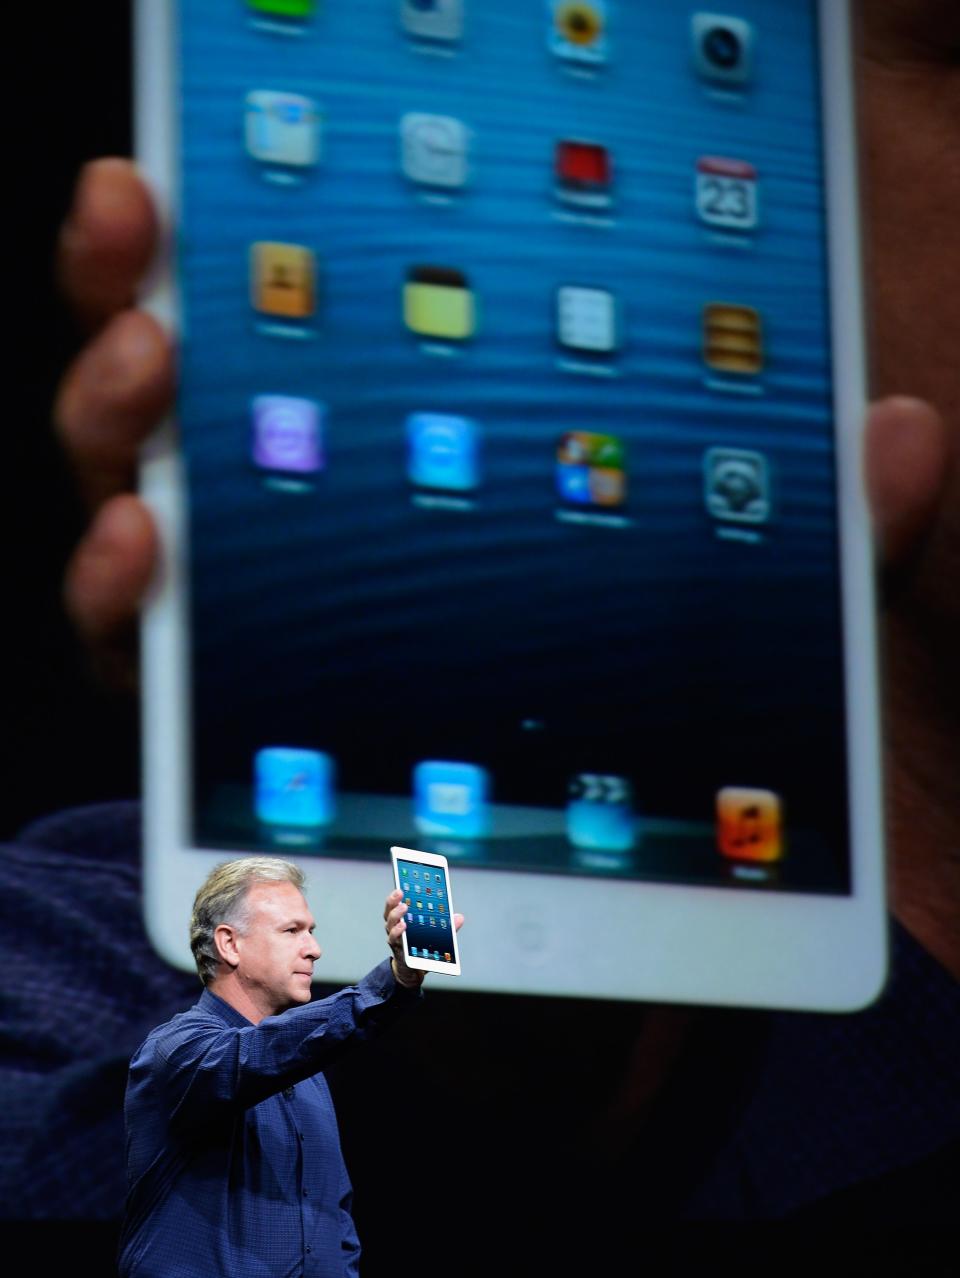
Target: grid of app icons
439, 305
283, 133
418, 884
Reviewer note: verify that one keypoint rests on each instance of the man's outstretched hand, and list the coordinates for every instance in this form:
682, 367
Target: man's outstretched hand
395, 926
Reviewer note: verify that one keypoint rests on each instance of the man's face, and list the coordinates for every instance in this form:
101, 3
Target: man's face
277, 948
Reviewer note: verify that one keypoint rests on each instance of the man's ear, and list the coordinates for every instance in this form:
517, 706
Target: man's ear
225, 938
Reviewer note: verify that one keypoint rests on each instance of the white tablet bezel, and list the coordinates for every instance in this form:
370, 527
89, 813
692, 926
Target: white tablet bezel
645, 941
434, 859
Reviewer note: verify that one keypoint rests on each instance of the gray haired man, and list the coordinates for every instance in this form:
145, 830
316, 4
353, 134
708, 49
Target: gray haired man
234, 1162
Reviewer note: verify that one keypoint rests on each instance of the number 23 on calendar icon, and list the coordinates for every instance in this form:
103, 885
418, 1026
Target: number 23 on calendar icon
726, 193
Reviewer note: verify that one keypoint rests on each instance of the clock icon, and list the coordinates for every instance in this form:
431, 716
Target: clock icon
434, 149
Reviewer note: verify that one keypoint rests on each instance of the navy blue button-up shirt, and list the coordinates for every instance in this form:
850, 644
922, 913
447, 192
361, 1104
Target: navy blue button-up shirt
234, 1163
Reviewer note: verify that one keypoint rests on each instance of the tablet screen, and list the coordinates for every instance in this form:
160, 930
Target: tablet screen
507, 411
426, 891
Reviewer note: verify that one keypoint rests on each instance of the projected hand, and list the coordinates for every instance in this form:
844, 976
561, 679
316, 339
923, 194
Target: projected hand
113, 395
910, 111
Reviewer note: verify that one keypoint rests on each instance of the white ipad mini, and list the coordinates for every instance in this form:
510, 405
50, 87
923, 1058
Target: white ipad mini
430, 941
512, 505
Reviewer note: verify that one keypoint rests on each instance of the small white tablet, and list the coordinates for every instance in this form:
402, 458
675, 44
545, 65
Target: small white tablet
430, 941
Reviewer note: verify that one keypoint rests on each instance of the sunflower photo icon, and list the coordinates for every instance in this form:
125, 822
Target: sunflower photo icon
578, 30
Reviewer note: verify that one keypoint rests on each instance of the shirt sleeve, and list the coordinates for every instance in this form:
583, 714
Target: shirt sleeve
202, 1065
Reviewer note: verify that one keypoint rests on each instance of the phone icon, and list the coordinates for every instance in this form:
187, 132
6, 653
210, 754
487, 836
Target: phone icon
282, 128
587, 320
288, 434
722, 48
437, 302
591, 469
433, 149
432, 19
749, 824
726, 193
293, 786
282, 279
732, 338
442, 452
451, 798
736, 485
578, 30
583, 172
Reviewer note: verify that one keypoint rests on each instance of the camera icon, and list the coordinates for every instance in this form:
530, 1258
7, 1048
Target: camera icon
722, 48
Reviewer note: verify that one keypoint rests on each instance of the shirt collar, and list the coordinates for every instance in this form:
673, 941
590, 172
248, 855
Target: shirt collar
213, 1003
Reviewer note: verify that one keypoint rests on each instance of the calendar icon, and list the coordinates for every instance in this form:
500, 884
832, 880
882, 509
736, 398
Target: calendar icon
726, 193
587, 320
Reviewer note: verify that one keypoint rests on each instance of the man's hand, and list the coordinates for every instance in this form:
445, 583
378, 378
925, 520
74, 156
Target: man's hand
395, 924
